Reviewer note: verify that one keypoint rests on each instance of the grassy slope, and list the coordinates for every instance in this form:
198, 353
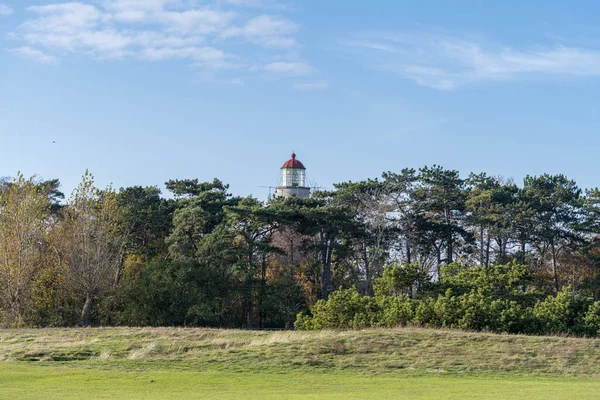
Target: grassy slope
208, 363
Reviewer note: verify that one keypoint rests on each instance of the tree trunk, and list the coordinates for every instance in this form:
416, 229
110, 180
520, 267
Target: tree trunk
368, 272
249, 286
326, 268
85, 312
248, 301
119, 270
249, 314
487, 250
450, 251
481, 256
439, 262
15, 307
501, 250
408, 253
263, 291
554, 266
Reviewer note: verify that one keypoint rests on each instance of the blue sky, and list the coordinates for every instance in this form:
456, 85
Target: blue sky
142, 91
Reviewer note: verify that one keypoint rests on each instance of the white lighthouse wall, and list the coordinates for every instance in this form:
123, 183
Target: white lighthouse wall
301, 192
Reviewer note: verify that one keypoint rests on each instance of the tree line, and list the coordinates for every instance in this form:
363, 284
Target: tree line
386, 251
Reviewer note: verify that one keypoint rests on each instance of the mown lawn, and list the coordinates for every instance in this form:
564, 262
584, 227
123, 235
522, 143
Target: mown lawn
168, 363
27, 381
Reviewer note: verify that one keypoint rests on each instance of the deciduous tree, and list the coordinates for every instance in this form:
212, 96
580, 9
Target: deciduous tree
90, 243
24, 213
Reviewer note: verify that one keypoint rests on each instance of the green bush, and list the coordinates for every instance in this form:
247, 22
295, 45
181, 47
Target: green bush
474, 311
563, 313
178, 292
591, 318
395, 311
344, 309
511, 281
498, 298
402, 280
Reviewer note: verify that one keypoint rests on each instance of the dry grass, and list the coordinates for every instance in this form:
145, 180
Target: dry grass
368, 351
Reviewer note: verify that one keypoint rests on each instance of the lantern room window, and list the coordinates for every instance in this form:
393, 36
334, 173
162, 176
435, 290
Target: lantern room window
293, 177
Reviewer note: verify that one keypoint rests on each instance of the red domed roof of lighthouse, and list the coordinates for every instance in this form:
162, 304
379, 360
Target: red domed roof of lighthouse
293, 163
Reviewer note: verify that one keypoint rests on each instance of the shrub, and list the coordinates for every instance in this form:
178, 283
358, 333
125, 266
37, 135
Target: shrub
344, 309
474, 310
402, 280
497, 299
395, 311
591, 318
563, 313
511, 281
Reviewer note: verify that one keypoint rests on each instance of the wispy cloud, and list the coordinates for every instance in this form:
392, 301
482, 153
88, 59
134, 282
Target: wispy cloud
263, 4
290, 68
5, 10
446, 63
267, 31
35, 55
317, 85
207, 34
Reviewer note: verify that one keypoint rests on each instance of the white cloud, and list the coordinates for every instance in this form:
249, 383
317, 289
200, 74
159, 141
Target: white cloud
5, 10
196, 21
245, 3
317, 85
82, 27
169, 15
35, 55
266, 30
206, 33
446, 63
64, 18
262, 4
290, 68
202, 56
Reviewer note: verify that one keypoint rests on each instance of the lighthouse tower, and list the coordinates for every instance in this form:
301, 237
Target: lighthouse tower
293, 180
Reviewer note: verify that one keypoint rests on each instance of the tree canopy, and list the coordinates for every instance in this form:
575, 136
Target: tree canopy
408, 247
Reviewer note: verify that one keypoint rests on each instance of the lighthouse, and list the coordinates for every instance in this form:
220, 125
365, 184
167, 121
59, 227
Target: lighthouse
293, 180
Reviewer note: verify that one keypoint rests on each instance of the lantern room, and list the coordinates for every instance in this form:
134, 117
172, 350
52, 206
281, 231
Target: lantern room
293, 179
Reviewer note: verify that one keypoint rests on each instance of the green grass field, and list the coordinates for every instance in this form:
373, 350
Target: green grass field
167, 363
